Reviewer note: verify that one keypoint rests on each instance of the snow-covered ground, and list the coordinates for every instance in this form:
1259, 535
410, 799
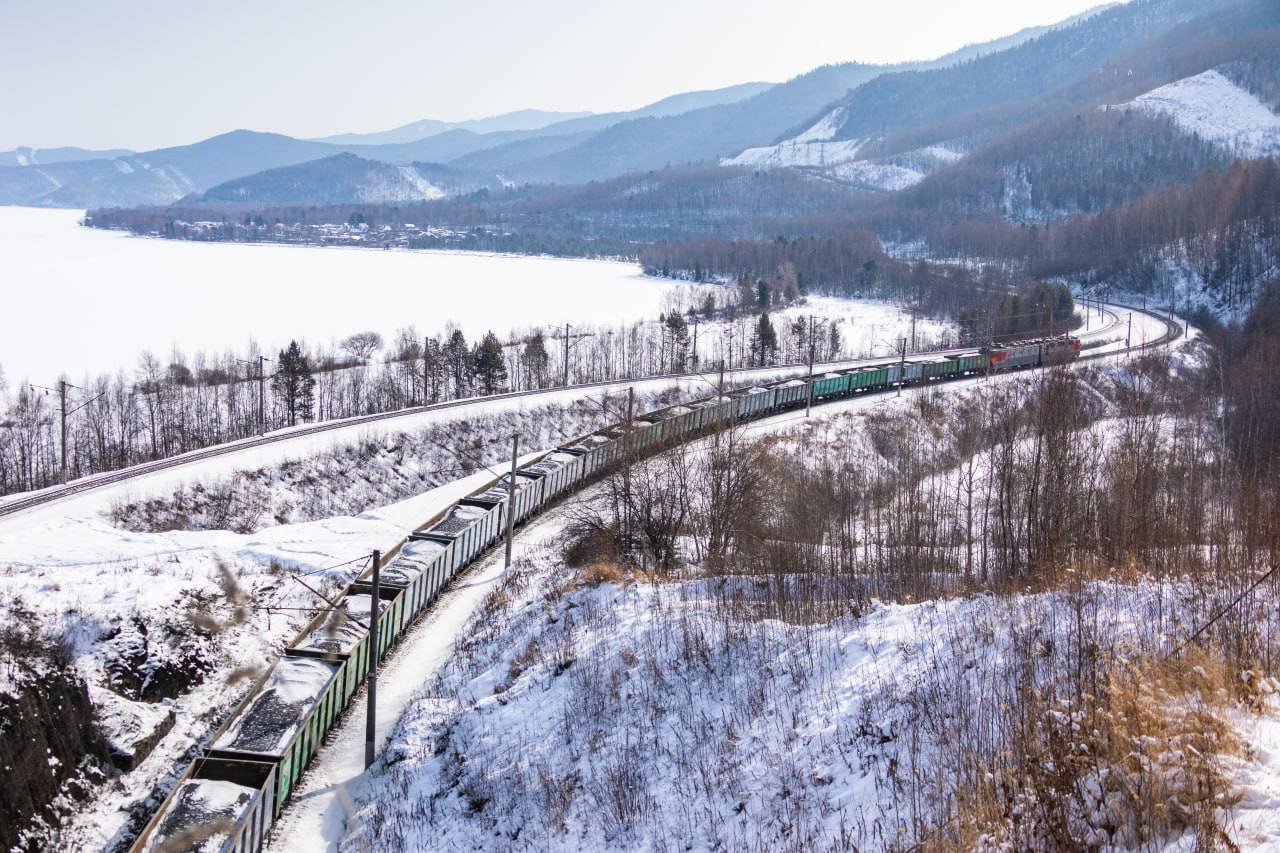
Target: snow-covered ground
867, 329
1216, 109
110, 295
838, 159
798, 153
652, 715
823, 129
877, 176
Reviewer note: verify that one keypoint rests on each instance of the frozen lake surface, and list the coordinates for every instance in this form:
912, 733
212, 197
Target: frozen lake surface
78, 300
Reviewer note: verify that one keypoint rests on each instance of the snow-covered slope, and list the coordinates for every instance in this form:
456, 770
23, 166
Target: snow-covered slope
823, 129
1212, 107
877, 176
796, 152
838, 159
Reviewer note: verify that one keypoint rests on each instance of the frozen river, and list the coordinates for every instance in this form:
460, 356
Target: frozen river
74, 299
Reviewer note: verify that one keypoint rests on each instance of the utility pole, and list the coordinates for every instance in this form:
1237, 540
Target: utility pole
426, 370
262, 390
913, 327
902, 364
511, 496
64, 416
566, 355
371, 716
262, 395
568, 342
1128, 336
808, 403
62, 407
628, 437
695, 343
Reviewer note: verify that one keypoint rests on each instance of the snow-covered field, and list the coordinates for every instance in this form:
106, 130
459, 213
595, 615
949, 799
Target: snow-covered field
1216, 109
110, 296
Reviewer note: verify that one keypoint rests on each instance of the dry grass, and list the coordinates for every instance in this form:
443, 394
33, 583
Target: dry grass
601, 572
1145, 760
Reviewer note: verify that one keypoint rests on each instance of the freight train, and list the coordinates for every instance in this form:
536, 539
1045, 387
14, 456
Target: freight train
230, 795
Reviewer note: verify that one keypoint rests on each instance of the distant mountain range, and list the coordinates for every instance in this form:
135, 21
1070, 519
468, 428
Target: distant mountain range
348, 179
871, 128
25, 156
414, 131
83, 178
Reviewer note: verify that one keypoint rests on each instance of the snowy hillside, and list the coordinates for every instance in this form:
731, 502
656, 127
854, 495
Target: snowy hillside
839, 159
797, 152
1212, 107
601, 708
346, 178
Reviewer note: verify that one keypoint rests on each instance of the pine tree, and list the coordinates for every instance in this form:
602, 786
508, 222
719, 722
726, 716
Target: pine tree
678, 338
763, 295
490, 366
536, 360
434, 367
764, 341
294, 384
457, 359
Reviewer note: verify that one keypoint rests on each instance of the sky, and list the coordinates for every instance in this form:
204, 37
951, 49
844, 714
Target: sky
143, 74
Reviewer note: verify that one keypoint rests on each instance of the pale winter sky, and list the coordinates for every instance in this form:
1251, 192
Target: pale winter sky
148, 73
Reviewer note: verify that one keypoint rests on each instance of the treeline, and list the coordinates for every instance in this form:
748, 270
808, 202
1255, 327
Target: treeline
1081, 163
851, 262
1224, 227
169, 406
605, 217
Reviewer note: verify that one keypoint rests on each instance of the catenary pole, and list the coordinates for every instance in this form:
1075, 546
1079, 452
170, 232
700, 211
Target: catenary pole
426, 370
62, 403
566, 355
262, 395
628, 439
808, 403
371, 715
511, 496
902, 364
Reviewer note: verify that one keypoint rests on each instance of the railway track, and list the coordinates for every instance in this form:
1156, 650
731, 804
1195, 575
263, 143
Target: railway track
97, 481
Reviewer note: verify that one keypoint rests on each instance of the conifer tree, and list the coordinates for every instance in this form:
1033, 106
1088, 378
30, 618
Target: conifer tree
764, 341
536, 360
458, 361
490, 366
294, 384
